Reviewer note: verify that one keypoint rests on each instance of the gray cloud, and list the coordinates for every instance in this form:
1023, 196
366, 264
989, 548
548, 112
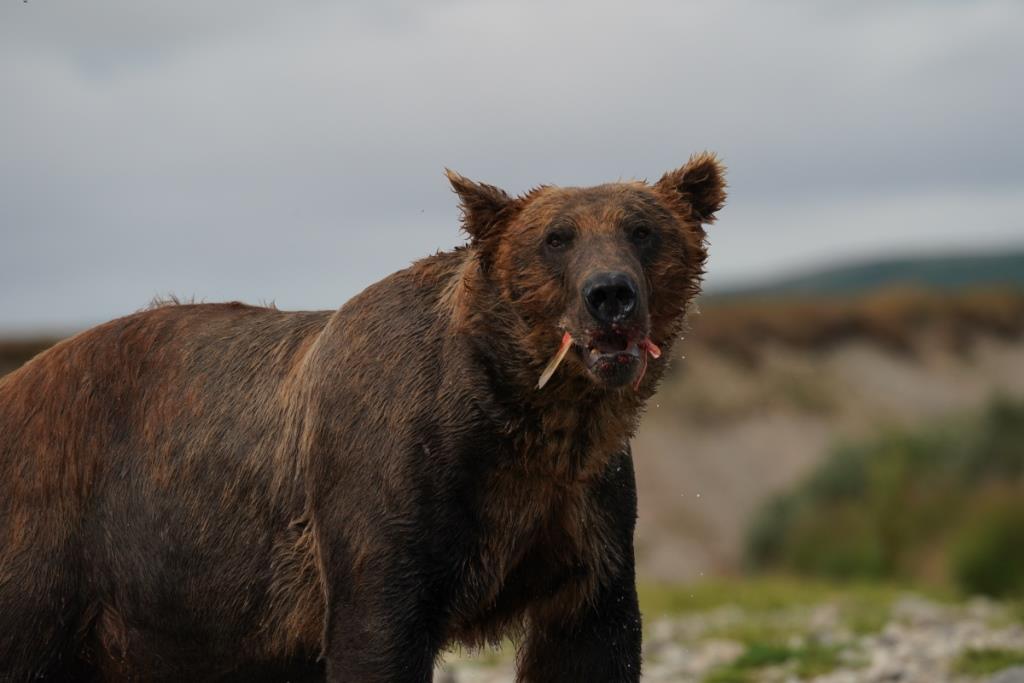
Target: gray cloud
293, 152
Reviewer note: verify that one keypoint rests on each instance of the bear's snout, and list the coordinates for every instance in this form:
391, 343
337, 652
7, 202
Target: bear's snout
610, 297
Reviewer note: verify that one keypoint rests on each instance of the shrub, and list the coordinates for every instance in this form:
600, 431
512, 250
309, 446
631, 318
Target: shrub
988, 551
876, 509
982, 662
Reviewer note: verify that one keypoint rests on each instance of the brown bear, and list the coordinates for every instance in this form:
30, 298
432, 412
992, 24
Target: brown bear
228, 492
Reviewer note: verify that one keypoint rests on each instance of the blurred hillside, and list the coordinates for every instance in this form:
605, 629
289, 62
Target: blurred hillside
15, 352
952, 273
766, 385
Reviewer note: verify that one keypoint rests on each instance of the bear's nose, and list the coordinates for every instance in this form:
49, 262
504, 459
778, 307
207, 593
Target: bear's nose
610, 297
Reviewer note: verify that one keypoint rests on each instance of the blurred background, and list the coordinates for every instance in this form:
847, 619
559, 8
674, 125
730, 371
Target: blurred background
846, 420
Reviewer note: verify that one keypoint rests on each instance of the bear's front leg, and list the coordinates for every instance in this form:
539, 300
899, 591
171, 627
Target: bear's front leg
599, 643
598, 640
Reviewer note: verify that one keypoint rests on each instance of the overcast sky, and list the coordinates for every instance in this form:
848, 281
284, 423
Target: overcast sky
293, 152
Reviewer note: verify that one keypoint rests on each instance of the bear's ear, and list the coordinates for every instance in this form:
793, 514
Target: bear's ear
485, 208
700, 183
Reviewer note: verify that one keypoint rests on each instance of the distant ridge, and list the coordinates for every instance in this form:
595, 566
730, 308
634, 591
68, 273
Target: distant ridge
953, 273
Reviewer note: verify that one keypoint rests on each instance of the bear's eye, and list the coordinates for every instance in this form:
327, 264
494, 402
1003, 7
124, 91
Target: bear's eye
640, 233
558, 239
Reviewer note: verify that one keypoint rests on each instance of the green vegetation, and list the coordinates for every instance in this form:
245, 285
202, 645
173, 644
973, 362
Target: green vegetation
766, 593
862, 606
988, 553
946, 501
988, 661
812, 659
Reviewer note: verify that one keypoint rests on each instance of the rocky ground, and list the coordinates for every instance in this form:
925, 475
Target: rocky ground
912, 640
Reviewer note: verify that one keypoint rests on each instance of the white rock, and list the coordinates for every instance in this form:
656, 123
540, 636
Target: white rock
1012, 675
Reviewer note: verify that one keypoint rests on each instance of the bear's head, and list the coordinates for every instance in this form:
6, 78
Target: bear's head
608, 271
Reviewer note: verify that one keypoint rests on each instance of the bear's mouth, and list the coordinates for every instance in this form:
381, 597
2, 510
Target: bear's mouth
613, 345
612, 355
618, 357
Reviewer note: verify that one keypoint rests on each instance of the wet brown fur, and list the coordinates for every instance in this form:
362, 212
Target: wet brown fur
228, 492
